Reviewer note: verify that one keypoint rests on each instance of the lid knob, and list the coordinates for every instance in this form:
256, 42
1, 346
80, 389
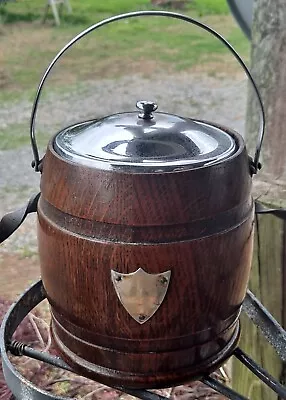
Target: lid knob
148, 107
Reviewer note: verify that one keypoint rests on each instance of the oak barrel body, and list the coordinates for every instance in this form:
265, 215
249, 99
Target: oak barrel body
99, 223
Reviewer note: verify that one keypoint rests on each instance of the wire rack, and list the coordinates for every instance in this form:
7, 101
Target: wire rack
23, 389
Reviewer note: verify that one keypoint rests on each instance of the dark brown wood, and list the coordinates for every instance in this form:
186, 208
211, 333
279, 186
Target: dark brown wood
197, 223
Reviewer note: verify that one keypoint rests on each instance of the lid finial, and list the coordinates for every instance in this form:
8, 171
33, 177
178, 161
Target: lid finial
148, 107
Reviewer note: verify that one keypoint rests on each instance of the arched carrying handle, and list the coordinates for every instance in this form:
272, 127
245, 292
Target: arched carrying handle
255, 162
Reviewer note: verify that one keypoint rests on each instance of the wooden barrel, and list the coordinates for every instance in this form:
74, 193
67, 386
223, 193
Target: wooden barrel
145, 271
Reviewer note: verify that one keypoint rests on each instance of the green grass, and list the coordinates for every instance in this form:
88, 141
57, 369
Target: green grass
12, 136
207, 7
145, 45
27, 46
17, 135
87, 11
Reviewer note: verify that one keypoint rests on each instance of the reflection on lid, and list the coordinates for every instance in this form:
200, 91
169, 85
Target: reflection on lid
166, 140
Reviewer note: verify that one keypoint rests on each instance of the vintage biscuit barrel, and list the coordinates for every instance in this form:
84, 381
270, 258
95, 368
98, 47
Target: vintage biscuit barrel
145, 230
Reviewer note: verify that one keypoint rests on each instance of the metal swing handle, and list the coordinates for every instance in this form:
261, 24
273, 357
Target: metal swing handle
255, 162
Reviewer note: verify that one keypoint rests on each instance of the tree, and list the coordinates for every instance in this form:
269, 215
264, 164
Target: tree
269, 69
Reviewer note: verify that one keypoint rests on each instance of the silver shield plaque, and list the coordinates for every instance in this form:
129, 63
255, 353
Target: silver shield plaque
140, 293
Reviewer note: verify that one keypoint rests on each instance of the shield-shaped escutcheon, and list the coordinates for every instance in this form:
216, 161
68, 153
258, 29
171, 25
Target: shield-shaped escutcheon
140, 293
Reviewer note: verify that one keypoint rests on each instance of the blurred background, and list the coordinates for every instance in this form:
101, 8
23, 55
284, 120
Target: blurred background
181, 67
184, 69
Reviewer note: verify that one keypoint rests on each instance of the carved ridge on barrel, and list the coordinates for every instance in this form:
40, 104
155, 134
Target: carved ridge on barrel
151, 345
150, 380
107, 357
100, 231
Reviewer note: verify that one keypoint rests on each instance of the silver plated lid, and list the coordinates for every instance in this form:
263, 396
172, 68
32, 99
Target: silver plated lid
155, 142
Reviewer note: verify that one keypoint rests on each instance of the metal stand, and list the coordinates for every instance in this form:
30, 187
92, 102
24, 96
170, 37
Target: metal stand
23, 389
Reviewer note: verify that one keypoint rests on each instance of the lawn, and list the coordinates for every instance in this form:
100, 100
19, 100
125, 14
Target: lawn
135, 45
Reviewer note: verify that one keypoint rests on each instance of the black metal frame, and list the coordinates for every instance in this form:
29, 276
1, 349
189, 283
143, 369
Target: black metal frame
22, 388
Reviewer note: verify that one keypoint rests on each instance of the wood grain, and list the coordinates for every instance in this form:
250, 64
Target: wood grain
198, 223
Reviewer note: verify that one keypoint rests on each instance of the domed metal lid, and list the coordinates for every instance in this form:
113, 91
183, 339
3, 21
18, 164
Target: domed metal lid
155, 142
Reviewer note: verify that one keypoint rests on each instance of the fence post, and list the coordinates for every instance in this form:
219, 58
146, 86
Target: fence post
268, 277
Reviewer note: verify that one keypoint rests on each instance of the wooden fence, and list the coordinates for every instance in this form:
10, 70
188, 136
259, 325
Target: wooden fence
268, 283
